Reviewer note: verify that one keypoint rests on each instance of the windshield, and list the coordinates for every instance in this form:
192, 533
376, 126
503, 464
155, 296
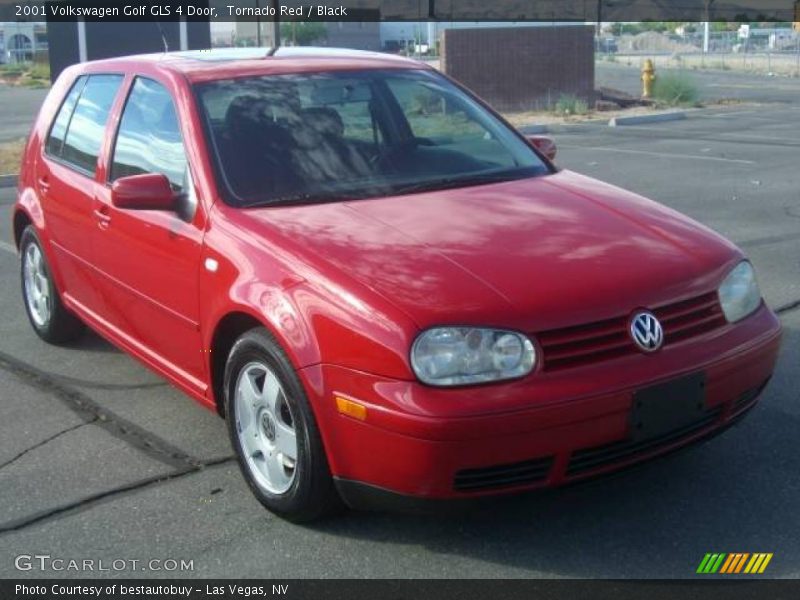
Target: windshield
331, 136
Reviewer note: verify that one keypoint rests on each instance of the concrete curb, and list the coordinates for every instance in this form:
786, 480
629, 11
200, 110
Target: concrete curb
534, 129
7, 181
642, 119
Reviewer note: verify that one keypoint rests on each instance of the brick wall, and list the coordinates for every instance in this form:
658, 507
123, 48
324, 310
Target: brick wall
522, 68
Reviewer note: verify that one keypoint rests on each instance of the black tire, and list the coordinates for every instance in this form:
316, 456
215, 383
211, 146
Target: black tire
60, 326
312, 493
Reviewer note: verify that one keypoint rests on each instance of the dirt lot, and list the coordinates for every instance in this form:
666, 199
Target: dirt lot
10, 156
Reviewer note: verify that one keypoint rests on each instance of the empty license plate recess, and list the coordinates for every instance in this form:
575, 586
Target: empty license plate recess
660, 409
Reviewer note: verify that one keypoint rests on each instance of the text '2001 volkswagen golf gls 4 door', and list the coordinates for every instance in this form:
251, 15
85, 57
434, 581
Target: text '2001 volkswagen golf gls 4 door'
388, 292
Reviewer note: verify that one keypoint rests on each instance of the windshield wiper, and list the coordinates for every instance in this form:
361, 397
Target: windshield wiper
411, 188
456, 182
299, 199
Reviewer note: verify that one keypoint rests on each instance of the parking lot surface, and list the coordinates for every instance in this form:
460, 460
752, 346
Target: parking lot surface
99, 458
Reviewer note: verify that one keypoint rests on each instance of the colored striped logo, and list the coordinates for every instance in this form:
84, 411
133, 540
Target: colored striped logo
737, 562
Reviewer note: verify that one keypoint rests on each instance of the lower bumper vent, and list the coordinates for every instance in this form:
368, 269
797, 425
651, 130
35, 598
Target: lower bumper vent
521, 473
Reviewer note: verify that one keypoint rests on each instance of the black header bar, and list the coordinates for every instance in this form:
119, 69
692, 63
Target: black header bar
401, 10
348, 589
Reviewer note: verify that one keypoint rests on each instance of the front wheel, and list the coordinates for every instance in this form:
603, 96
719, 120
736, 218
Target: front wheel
274, 433
49, 317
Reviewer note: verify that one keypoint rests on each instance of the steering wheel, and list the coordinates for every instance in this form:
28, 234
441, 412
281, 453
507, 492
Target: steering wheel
387, 154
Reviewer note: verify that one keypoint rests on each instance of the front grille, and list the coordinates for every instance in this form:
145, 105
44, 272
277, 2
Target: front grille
589, 459
604, 340
521, 473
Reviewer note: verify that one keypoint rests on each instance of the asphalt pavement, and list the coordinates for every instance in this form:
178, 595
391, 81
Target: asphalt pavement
101, 459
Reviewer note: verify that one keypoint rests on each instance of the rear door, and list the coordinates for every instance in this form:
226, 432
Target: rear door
148, 260
66, 181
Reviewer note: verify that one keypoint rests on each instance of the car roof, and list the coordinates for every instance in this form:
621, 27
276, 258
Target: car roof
227, 63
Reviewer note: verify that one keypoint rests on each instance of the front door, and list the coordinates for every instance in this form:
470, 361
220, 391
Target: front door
148, 260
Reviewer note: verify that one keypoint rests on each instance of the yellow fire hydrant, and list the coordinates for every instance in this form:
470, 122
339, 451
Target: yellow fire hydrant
648, 78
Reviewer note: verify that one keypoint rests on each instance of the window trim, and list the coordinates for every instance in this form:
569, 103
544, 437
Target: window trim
58, 159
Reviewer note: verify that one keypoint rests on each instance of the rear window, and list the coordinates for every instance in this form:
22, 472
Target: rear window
79, 128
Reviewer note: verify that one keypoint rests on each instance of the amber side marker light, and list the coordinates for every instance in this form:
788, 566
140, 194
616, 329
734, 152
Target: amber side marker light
351, 408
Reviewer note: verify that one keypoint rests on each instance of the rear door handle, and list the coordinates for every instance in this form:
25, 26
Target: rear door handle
44, 184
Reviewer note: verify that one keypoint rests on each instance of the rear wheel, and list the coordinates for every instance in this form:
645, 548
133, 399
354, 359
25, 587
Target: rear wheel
274, 433
49, 317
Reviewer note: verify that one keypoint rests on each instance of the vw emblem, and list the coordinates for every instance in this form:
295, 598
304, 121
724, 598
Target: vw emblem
646, 331
268, 426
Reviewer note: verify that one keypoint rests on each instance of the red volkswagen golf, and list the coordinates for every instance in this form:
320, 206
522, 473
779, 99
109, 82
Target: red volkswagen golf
388, 292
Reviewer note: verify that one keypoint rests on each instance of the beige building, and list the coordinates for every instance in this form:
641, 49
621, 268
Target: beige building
21, 41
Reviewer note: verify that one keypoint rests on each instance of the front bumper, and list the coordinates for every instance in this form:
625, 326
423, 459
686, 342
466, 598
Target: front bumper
544, 430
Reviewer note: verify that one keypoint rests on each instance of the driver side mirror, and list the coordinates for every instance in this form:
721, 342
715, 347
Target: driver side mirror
544, 144
150, 191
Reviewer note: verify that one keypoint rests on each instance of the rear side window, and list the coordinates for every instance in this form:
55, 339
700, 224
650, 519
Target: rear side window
55, 141
85, 127
149, 138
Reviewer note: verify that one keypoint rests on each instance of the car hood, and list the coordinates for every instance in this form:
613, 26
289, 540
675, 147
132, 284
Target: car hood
532, 254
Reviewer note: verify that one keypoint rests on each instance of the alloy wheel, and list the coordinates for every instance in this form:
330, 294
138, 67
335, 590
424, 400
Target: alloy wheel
37, 286
266, 428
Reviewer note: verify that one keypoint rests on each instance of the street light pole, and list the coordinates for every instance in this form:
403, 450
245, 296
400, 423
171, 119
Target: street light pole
258, 24
707, 26
599, 21
276, 25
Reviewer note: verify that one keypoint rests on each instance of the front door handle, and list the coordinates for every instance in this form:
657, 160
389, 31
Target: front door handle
103, 217
44, 184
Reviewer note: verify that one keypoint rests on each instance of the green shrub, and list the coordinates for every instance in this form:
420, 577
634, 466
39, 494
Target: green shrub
570, 105
675, 88
39, 71
15, 70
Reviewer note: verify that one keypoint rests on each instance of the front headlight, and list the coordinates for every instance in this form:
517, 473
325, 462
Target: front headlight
464, 355
739, 294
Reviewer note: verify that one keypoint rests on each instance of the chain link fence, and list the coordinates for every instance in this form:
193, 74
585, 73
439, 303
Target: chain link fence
768, 51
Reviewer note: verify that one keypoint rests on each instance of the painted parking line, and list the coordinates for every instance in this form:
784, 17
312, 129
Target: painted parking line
723, 115
7, 247
663, 154
722, 137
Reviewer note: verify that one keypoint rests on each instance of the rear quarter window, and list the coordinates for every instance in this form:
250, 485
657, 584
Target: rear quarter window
55, 141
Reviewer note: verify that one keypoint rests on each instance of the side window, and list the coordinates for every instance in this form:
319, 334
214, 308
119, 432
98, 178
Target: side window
430, 115
86, 129
149, 138
55, 141
446, 120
